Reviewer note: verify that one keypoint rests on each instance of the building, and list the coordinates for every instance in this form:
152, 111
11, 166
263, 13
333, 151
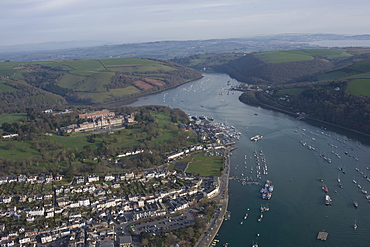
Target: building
96, 114
124, 241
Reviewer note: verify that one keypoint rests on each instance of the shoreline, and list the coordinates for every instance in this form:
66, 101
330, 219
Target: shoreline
129, 101
213, 227
265, 106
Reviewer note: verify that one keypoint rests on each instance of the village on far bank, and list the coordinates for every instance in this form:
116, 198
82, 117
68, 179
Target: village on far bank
107, 209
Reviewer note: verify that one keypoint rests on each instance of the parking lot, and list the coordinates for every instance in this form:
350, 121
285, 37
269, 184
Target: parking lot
168, 223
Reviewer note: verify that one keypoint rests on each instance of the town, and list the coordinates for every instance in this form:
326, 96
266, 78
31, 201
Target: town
110, 209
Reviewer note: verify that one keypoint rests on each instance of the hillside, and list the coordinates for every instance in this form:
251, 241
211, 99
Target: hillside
43, 143
54, 83
277, 67
340, 96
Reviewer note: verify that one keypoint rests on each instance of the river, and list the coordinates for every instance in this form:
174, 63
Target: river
297, 210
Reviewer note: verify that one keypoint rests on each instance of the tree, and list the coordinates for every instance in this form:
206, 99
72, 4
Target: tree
10, 145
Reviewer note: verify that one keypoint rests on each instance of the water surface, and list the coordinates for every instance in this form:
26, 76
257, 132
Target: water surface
297, 210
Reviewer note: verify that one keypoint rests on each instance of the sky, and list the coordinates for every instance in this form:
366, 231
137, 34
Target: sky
136, 21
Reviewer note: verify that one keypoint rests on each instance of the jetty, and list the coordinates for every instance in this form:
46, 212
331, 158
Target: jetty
322, 235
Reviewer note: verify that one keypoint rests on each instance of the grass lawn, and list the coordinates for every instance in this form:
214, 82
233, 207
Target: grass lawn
20, 150
359, 87
77, 140
204, 165
11, 117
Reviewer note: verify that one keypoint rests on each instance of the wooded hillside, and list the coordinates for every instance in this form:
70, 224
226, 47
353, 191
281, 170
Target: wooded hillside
54, 83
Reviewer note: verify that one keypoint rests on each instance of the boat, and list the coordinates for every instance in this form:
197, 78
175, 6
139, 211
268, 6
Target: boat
246, 216
264, 209
260, 218
228, 215
325, 188
267, 190
355, 204
327, 200
338, 179
255, 245
256, 138
340, 185
355, 225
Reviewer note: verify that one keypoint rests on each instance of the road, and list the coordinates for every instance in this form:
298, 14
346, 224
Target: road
214, 225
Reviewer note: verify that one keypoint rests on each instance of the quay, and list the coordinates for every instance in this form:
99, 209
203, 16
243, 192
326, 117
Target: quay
208, 237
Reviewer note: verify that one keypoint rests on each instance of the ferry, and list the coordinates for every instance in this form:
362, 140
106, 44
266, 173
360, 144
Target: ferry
256, 138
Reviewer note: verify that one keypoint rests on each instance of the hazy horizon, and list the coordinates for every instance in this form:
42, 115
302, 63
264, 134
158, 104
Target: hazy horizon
120, 22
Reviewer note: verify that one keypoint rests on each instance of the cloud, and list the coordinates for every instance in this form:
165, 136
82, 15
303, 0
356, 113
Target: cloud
30, 21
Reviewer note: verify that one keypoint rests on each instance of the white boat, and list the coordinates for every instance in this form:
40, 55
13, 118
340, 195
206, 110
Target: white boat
260, 218
256, 138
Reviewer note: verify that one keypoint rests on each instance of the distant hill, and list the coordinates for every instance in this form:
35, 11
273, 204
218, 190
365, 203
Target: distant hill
276, 67
53, 83
166, 49
330, 86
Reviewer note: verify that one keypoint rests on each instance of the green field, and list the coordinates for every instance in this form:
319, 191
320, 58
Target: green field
89, 78
359, 87
11, 117
204, 164
336, 74
282, 57
301, 55
326, 53
70, 81
361, 76
291, 91
95, 83
361, 66
6, 88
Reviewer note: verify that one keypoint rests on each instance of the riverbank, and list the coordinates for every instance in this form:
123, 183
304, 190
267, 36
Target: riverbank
133, 99
209, 235
269, 107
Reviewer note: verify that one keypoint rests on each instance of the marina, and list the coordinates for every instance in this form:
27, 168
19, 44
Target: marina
294, 169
